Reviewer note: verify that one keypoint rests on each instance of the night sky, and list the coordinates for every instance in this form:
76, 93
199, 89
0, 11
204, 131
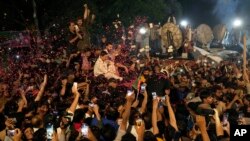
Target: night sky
211, 12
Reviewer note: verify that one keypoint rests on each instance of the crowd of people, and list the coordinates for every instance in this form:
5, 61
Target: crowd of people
106, 93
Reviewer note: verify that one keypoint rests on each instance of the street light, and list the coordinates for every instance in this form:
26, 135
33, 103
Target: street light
237, 23
184, 23
142, 30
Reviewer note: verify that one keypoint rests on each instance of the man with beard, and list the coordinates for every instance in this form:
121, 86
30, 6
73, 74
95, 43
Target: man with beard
218, 99
146, 74
72, 38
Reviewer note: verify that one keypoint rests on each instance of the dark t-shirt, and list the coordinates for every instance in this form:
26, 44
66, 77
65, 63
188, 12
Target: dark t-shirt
157, 83
72, 47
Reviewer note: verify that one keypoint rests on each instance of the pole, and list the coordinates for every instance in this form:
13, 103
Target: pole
245, 74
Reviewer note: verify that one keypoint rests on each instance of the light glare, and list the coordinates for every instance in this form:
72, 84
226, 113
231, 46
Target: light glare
142, 30
237, 23
184, 23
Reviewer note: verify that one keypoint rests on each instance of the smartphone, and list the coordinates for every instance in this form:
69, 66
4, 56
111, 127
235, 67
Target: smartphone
139, 122
10, 133
143, 87
129, 92
241, 115
160, 104
225, 119
154, 95
49, 131
84, 130
75, 84
14, 120
76, 28
163, 98
91, 104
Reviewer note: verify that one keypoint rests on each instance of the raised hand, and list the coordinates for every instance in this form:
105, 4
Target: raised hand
74, 89
18, 135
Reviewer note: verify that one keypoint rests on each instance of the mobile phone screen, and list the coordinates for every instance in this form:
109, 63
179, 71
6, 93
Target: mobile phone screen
10, 133
139, 122
163, 98
143, 87
225, 119
241, 115
84, 130
49, 131
154, 95
75, 84
129, 92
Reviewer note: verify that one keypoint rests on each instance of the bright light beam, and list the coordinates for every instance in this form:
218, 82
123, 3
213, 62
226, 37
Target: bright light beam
142, 30
237, 23
184, 23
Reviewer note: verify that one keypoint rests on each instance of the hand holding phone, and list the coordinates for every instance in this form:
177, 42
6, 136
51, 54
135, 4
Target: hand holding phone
225, 119
30, 88
11, 133
163, 98
49, 131
139, 122
143, 87
154, 95
75, 84
129, 92
76, 28
85, 130
241, 115
91, 105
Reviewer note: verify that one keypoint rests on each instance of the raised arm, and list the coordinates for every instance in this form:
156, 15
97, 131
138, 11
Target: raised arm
96, 111
42, 87
85, 13
23, 102
218, 126
72, 107
92, 19
125, 115
201, 122
154, 117
230, 104
144, 102
75, 38
70, 57
86, 96
119, 65
172, 119
135, 103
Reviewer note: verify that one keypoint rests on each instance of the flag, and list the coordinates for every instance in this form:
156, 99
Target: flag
138, 81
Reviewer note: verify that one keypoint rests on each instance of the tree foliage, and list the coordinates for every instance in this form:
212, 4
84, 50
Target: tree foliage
51, 11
